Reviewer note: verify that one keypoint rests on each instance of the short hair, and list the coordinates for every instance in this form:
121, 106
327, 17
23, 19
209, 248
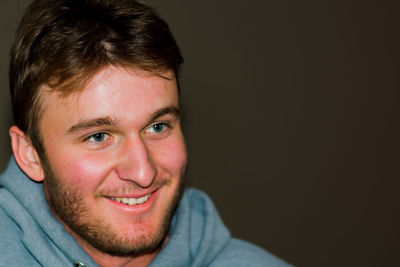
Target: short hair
62, 43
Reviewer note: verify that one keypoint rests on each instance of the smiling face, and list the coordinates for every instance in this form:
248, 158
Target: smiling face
115, 157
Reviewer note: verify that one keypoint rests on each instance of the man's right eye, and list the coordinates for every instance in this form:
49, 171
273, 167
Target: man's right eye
97, 137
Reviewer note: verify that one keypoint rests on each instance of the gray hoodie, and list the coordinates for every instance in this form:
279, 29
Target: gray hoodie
31, 236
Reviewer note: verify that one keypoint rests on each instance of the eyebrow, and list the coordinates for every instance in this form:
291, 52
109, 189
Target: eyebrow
169, 110
108, 121
87, 124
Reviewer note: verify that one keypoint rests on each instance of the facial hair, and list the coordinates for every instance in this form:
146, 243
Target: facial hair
70, 208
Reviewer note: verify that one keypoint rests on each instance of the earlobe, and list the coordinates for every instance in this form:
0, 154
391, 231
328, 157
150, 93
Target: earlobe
25, 154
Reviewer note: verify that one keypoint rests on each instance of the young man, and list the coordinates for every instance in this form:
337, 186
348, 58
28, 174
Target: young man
95, 94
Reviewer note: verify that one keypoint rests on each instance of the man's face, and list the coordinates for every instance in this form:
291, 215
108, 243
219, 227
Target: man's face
115, 157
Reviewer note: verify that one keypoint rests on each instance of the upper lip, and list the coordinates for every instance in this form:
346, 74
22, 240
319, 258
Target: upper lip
132, 195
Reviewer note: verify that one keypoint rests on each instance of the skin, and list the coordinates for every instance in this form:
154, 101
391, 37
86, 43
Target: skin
119, 137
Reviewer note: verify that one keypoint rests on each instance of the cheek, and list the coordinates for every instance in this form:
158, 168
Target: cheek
173, 156
84, 172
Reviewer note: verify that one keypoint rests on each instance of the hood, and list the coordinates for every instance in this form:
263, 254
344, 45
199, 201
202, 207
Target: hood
197, 234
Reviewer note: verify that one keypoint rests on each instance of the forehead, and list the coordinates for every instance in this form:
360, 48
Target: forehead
120, 92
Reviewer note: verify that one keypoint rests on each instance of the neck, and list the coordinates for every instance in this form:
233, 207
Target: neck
107, 260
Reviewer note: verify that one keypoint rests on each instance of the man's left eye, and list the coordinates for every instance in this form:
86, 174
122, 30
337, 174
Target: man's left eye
157, 127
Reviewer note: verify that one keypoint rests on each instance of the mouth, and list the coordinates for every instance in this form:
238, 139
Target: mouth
131, 201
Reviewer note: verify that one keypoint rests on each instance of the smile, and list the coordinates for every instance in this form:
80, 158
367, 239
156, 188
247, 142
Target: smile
131, 201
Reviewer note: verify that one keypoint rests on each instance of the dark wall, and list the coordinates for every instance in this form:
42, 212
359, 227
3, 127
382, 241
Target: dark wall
291, 120
10, 12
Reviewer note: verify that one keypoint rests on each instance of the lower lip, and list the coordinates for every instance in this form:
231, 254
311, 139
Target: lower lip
138, 208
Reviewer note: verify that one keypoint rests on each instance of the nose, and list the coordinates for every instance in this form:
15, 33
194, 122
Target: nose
136, 164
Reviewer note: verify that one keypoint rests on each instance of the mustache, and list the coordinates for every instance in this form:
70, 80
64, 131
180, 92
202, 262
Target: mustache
132, 187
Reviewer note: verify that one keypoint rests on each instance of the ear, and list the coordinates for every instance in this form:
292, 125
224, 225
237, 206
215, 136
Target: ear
25, 154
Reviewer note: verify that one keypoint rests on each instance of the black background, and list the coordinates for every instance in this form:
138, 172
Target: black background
291, 116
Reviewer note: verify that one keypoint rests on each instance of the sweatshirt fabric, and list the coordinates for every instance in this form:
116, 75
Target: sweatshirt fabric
31, 236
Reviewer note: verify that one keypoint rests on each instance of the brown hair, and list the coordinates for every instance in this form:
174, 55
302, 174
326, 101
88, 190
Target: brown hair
62, 43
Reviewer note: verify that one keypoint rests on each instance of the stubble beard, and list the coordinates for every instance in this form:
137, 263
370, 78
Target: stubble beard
69, 207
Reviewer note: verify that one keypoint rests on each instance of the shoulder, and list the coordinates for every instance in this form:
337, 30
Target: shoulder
10, 232
241, 253
13, 251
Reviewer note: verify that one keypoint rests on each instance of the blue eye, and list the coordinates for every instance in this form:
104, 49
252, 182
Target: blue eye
158, 127
98, 137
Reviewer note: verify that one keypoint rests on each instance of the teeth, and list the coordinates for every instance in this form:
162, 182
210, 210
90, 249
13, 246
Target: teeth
131, 201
